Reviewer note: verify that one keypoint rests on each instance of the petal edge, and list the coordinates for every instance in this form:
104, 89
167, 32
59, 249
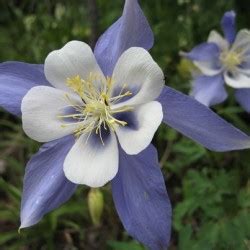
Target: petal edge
116, 40
16, 79
141, 199
45, 185
200, 123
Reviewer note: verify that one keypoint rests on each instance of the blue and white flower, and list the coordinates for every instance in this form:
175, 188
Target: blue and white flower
97, 114
223, 61
98, 110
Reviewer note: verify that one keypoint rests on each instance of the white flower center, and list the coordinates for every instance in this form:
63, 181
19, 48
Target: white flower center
231, 59
96, 112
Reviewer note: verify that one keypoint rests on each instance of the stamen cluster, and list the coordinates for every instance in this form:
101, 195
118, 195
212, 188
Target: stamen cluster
231, 59
95, 112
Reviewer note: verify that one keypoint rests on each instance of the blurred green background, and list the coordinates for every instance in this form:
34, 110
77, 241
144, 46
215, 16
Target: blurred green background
210, 192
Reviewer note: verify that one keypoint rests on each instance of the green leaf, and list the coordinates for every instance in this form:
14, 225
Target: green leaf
125, 245
5, 237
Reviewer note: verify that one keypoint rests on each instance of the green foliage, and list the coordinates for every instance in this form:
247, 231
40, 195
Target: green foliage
124, 245
210, 192
212, 215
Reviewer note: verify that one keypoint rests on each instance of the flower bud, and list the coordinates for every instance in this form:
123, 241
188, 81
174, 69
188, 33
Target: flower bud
95, 204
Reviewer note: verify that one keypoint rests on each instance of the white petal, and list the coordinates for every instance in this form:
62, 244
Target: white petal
148, 118
215, 37
237, 80
213, 67
242, 41
92, 163
242, 45
75, 58
141, 74
40, 109
210, 68
244, 68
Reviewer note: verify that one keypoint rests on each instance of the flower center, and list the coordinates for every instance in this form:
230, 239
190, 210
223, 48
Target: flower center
230, 59
95, 113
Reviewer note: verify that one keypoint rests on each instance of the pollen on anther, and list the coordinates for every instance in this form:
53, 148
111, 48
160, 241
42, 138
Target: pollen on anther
95, 112
75, 83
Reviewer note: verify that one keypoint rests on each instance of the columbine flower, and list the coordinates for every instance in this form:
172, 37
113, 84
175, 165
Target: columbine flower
223, 61
98, 110
101, 103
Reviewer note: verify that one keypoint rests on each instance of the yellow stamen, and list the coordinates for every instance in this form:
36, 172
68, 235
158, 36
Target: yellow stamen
75, 83
96, 111
230, 59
